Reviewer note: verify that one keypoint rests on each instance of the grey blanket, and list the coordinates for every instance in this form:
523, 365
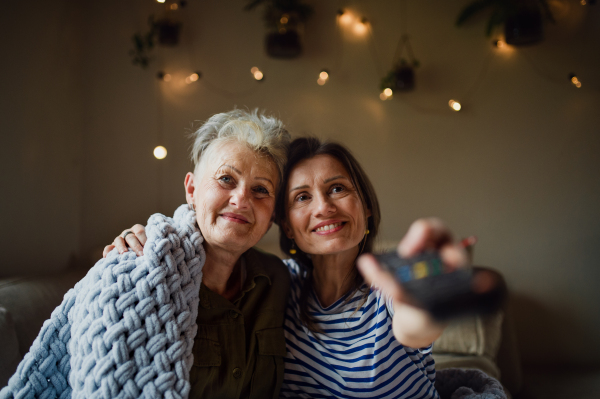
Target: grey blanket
467, 384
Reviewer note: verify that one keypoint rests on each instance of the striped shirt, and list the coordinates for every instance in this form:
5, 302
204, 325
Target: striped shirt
356, 355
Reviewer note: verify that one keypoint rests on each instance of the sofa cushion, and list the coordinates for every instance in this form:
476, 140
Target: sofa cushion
473, 335
9, 346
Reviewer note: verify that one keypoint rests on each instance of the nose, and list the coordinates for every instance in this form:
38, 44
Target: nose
240, 197
324, 205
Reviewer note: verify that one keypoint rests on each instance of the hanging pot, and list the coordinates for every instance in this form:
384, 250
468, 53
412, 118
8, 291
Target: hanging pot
404, 78
524, 27
284, 44
168, 32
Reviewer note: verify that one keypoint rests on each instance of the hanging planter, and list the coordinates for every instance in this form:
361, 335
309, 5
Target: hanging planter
402, 76
165, 31
284, 20
522, 19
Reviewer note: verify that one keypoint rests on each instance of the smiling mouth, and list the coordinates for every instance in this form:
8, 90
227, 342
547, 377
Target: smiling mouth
329, 228
232, 217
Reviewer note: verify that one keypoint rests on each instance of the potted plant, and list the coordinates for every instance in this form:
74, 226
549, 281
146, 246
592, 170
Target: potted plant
522, 19
165, 31
401, 77
284, 20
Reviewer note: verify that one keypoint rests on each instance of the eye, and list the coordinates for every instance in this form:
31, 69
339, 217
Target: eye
338, 188
226, 179
301, 197
263, 191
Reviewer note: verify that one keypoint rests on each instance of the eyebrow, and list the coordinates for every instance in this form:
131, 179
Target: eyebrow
239, 173
324, 182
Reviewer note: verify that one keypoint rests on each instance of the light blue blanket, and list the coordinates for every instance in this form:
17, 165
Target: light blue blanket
127, 329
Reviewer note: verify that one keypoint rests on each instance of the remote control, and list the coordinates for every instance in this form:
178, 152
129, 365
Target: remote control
445, 293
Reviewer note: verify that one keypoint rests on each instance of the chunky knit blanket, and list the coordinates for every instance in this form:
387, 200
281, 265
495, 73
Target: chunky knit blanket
457, 383
127, 329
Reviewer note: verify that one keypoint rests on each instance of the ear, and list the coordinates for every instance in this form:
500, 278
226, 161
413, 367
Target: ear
190, 187
287, 230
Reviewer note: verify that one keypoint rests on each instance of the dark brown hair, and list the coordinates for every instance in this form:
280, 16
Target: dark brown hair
307, 148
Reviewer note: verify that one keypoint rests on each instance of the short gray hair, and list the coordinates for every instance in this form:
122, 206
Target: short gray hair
264, 134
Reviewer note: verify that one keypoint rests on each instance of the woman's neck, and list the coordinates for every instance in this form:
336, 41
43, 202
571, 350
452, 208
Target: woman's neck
333, 275
222, 272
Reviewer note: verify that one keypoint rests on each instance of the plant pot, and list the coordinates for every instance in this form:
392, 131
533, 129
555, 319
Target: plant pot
523, 28
404, 78
284, 45
168, 32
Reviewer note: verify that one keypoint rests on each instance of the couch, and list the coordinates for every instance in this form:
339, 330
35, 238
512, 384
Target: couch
485, 343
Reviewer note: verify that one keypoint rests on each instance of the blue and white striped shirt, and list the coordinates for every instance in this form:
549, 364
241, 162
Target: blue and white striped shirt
356, 356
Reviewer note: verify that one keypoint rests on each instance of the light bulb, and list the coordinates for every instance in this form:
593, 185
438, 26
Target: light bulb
174, 6
360, 28
455, 105
388, 92
160, 152
160, 1
258, 75
383, 97
253, 70
194, 77
167, 77
345, 17
284, 19
321, 82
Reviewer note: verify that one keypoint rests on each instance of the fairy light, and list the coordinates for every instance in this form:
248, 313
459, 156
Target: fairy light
253, 70
174, 6
345, 17
165, 77
455, 105
258, 75
576, 82
583, 2
324, 75
388, 92
284, 19
360, 28
160, 152
500, 43
160, 1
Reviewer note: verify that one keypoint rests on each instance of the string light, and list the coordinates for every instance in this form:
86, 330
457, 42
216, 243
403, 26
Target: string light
583, 2
344, 17
165, 77
258, 75
174, 6
500, 43
160, 152
575, 81
160, 1
386, 94
360, 28
455, 105
323, 77
284, 19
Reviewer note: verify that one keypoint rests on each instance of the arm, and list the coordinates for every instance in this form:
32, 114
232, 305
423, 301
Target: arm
412, 326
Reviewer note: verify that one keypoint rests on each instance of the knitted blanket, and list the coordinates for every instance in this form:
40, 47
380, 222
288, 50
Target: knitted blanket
127, 329
456, 383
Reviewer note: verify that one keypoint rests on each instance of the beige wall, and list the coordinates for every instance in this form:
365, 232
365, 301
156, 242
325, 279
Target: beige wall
518, 167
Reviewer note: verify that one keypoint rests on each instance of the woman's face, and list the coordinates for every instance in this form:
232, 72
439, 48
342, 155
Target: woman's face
234, 194
324, 212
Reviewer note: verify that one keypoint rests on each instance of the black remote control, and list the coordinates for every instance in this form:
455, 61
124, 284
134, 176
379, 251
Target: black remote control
445, 293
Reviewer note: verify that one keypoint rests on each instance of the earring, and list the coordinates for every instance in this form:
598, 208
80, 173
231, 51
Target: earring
192, 207
293, 248
367, 231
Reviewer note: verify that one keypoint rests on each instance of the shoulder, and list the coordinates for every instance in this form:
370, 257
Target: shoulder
272, 266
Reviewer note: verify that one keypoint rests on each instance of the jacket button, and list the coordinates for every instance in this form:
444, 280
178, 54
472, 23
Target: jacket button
233, 314
237, 372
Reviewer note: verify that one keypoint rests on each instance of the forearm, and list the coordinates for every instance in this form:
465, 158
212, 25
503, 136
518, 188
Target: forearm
415, 327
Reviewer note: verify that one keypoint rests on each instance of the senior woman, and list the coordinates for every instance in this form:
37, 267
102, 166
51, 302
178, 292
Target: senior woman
135, 339
343, 338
